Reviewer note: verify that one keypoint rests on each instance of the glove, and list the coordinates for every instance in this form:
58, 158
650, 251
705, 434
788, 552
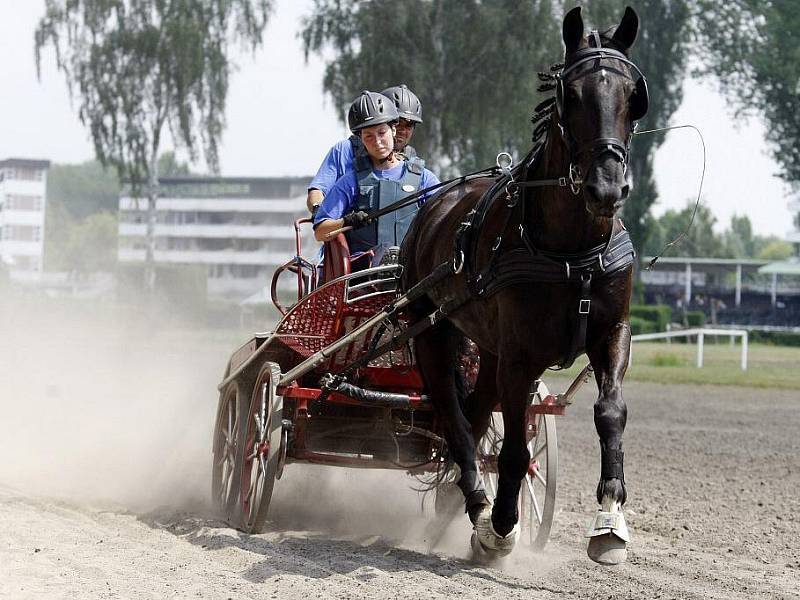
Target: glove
356, 219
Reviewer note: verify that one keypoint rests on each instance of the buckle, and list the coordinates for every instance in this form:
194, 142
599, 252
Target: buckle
583, 307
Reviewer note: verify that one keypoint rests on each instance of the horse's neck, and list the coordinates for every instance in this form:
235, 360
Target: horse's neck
556, 219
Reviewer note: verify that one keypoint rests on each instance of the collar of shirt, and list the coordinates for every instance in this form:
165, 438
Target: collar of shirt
393, 173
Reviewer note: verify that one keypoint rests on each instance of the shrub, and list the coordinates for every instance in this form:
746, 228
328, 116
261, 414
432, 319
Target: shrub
695, 318
775, 338
640, 325
660, 315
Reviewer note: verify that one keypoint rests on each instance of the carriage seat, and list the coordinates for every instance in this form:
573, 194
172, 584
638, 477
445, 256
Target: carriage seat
338, 261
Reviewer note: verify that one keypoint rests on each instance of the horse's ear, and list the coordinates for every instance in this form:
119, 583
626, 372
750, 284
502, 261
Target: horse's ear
625, 34
572, 30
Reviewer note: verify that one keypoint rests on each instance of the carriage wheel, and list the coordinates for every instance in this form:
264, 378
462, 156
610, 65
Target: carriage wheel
261, 449
537, 496
224, 473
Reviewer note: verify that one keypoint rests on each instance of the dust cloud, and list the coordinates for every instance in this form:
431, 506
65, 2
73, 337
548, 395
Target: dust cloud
100, 404
103, 407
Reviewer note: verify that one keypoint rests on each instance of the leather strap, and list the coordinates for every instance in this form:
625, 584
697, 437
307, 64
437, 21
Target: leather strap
611, 464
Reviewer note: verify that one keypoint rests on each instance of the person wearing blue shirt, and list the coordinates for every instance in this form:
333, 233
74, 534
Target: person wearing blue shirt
385, 179
341, 157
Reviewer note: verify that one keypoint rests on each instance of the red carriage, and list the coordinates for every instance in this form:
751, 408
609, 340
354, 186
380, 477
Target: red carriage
328, 386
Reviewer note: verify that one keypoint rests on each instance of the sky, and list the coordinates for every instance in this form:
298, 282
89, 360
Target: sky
279, 122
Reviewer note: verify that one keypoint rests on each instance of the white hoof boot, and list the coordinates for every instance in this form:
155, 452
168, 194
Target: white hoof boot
490, 541
608, 535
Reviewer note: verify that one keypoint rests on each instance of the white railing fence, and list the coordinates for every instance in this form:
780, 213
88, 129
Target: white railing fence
700, 334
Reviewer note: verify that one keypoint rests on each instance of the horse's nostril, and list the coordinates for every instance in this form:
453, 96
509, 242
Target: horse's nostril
626, 189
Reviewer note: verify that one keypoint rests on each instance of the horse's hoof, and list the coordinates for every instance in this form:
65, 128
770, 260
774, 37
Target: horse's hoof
608, 535
489, 541
607, 550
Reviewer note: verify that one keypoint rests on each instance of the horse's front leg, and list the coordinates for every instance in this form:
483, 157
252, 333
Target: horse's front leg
498, 531
608, 533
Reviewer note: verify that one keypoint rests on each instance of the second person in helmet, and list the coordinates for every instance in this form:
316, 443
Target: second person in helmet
343, 154
384, 179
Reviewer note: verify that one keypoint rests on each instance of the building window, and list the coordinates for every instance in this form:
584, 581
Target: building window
24, 174
22, 233
23, 202
216, 271
244, 271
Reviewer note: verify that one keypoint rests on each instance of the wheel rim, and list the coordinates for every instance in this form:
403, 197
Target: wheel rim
261, 449
256, 448
538, 493
225, 456
536, 503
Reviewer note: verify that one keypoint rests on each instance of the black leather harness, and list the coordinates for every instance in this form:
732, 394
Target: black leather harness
530, 264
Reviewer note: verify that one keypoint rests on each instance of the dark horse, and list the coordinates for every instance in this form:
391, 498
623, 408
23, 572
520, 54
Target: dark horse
524, 324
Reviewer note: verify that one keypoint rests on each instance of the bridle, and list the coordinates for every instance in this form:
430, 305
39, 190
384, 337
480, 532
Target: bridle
637, 110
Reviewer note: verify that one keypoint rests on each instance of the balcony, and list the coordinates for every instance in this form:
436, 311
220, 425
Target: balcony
208, 257
289, 205
22, 217
258, 232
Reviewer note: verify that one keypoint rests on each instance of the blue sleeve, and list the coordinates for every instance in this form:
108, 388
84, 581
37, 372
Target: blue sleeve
427, 180
339, 200
338, 161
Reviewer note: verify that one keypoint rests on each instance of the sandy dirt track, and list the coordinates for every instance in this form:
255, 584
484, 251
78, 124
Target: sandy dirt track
103, 494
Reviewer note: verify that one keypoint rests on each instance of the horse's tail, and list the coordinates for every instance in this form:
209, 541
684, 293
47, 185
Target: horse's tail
464, 374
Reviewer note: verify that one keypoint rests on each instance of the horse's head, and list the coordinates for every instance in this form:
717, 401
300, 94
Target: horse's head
600, 95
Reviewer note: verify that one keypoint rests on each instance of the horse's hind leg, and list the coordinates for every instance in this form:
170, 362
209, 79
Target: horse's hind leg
480, 403
608, 532
437, 357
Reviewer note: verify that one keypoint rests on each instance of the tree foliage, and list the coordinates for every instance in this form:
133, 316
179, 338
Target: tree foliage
736, 241
138, 66
472, 63
82, 189
82, 200
753, 48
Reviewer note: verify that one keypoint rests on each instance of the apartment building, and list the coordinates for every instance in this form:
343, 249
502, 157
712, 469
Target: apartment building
238, 228
23, 193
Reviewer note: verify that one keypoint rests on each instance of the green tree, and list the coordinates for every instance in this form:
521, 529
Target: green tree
82, 189
138, 66
170, 166
700, 241
92, 245
738, 239
753, 48
473, 64
775, 249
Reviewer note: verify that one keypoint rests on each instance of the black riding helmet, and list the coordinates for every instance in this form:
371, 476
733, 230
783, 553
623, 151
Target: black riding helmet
408, 105
369, 109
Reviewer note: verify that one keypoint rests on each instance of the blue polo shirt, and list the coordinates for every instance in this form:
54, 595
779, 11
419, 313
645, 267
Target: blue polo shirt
341, 198
335, 164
